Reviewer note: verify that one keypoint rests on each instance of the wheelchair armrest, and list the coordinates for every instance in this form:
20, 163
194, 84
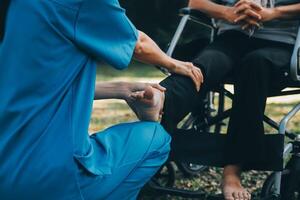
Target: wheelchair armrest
295, 62
197, 16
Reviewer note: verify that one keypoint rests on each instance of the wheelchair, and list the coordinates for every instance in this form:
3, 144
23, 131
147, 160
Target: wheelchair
199, 143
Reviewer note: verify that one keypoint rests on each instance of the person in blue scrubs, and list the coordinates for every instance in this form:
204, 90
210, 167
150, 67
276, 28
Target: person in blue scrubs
48, 54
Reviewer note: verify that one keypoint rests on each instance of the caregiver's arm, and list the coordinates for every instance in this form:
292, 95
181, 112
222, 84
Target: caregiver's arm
121, 90
147, 51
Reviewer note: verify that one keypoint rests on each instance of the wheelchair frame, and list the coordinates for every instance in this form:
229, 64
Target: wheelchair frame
290, 148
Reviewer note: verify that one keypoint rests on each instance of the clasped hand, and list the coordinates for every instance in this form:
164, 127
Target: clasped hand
249, 14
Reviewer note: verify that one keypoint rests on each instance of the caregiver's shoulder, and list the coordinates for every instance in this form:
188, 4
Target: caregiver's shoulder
76, 4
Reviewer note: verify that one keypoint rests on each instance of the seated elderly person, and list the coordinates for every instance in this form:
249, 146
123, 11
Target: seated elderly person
254, 43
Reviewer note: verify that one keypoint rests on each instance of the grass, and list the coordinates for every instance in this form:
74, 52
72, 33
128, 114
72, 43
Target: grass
135, 71
110, 112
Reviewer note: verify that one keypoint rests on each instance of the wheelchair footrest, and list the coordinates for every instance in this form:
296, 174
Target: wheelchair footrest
184, 193
209, 149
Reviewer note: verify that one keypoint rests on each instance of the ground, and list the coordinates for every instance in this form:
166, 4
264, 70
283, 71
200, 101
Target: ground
109, 112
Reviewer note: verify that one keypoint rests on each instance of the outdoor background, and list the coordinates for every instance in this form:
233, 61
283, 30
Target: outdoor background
158, 18
110, 112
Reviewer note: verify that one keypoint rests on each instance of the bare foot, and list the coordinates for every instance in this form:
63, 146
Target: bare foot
231, 185
147, 104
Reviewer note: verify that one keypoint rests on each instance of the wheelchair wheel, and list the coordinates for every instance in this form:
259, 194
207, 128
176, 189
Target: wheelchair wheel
190, 169
268, 188
165, 177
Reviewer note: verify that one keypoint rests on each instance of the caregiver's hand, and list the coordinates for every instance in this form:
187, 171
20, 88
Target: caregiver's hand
135, 87
188, 69
147, 51
147, 103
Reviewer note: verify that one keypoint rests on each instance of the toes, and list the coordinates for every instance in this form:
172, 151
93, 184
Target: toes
240, 196
247, 196
236, 195
228, 197
243, 195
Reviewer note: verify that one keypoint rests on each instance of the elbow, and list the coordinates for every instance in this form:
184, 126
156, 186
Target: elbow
195, 4
192, 4
141, 46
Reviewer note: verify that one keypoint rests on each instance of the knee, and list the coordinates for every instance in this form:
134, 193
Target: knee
160, 148
161, 140
154, 135
213, 57
213, 63
255, 61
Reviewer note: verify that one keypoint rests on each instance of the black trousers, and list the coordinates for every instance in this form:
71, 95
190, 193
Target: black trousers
256, 66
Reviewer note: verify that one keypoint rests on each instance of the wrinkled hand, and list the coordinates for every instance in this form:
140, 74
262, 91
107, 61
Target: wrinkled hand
138, 91
245, 12
189, 70
148, 103
135, 87
248, 12
231, 15
156, 86
252, 15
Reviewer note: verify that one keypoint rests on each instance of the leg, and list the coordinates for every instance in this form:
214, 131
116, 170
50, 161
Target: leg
134, 153
258, 70
216, 62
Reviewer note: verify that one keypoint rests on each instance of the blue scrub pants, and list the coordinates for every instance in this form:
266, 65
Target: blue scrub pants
134, 152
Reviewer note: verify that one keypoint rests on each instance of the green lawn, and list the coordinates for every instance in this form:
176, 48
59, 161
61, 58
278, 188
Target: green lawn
109, 112
135, 71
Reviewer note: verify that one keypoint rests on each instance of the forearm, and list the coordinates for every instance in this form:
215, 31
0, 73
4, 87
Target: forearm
115, 90
287, 12
120, 90
147, 51
210, 8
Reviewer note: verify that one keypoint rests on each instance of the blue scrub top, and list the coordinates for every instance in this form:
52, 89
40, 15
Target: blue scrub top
47, 77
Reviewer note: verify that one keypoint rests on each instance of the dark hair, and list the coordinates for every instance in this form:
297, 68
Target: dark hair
3, 11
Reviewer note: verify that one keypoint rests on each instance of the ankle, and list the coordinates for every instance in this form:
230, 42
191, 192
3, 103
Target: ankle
232, 172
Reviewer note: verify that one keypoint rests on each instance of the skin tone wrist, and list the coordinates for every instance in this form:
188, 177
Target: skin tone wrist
122, 90
171, 64
225, 14
210, 8
288, 12
147, 51
277, 13
116, 90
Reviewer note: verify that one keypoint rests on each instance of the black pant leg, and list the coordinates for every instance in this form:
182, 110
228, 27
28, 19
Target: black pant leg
216, 61
259, 70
